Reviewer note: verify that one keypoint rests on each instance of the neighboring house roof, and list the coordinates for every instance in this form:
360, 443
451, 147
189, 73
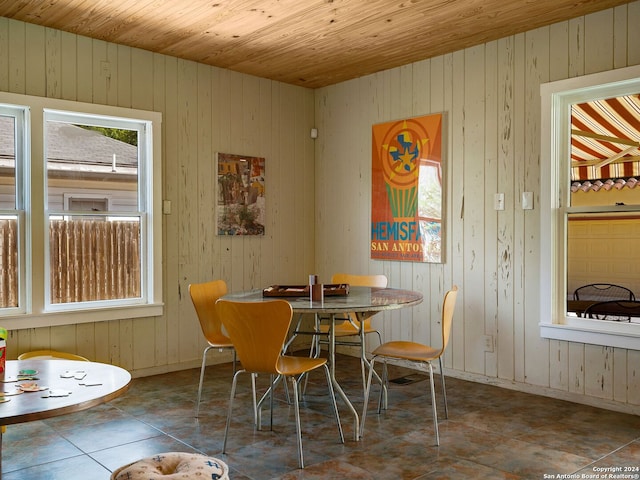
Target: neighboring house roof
67, 147
70, 147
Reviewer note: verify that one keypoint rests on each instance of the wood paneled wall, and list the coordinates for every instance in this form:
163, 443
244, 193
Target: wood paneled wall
491, 97
204, 110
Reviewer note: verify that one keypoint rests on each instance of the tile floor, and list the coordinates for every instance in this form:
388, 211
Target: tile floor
491, 433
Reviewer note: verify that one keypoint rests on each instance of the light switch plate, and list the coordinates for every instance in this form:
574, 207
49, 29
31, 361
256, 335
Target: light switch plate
527, 200
498, 201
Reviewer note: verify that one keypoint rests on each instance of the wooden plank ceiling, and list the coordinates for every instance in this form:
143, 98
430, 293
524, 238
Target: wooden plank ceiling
312, 43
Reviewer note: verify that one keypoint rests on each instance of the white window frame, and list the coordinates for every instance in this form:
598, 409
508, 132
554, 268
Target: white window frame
557, 98
22, 205
37, 313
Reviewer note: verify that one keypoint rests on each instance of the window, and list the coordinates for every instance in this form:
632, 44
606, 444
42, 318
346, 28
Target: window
13, 120
98, 256
590, 208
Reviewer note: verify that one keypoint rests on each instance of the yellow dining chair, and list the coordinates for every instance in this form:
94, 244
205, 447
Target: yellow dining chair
351, 326
419, 353
258, 330
52, 355
204, 297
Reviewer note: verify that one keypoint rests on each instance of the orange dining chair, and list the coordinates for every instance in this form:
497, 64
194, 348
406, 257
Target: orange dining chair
351, 326
204, 297
258, 330
418, 353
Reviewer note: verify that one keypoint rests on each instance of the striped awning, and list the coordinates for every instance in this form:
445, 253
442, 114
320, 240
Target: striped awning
605, 139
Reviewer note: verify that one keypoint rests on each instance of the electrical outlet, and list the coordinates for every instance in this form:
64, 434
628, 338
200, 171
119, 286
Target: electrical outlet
105, 69
488, 343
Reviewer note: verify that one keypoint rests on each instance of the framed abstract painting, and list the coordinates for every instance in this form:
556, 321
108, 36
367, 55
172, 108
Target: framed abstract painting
241, 194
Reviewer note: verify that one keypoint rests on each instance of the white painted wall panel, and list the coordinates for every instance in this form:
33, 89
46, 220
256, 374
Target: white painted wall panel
205, 110
491, 98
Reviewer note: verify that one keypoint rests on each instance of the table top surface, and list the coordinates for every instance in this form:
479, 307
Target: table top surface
98, 383
359, 299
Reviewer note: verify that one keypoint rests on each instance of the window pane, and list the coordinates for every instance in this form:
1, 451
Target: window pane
9, 294
602, 246
604, 151
93, 259
91, 163
92, 180
7, 162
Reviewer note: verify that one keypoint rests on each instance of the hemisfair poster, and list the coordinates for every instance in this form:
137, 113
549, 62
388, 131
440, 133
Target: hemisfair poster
406, 197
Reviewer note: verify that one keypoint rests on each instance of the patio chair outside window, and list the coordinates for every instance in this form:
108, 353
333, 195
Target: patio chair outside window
602, 292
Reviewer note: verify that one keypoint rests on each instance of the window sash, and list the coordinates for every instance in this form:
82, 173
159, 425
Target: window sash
557, 98
36, 310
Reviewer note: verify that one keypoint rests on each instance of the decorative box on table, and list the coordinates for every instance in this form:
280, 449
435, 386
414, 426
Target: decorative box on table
330, 289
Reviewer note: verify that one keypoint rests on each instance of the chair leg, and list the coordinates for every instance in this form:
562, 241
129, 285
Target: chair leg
384, 381
333, 402
363, 358
433, 404
256, 419
202, 368
233, 392
235, 360
271, 382
367, 391
314, 349
297, 415
444, 390
258, 407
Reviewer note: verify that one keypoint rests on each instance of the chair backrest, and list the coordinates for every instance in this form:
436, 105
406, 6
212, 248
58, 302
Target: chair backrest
257, 330
603, 292
360, 280
613, 310
51, 355
204, 297
448, 307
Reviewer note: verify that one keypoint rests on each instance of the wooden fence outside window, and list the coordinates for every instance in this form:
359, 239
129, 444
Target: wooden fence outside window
8, 263
90, 260
94, 260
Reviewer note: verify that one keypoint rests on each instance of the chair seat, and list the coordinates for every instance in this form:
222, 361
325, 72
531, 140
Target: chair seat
407, 351
220, 341
173, 465
288, 365
347, 329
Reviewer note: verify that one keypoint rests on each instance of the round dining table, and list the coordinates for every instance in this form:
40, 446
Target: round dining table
36, 389
362, 301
